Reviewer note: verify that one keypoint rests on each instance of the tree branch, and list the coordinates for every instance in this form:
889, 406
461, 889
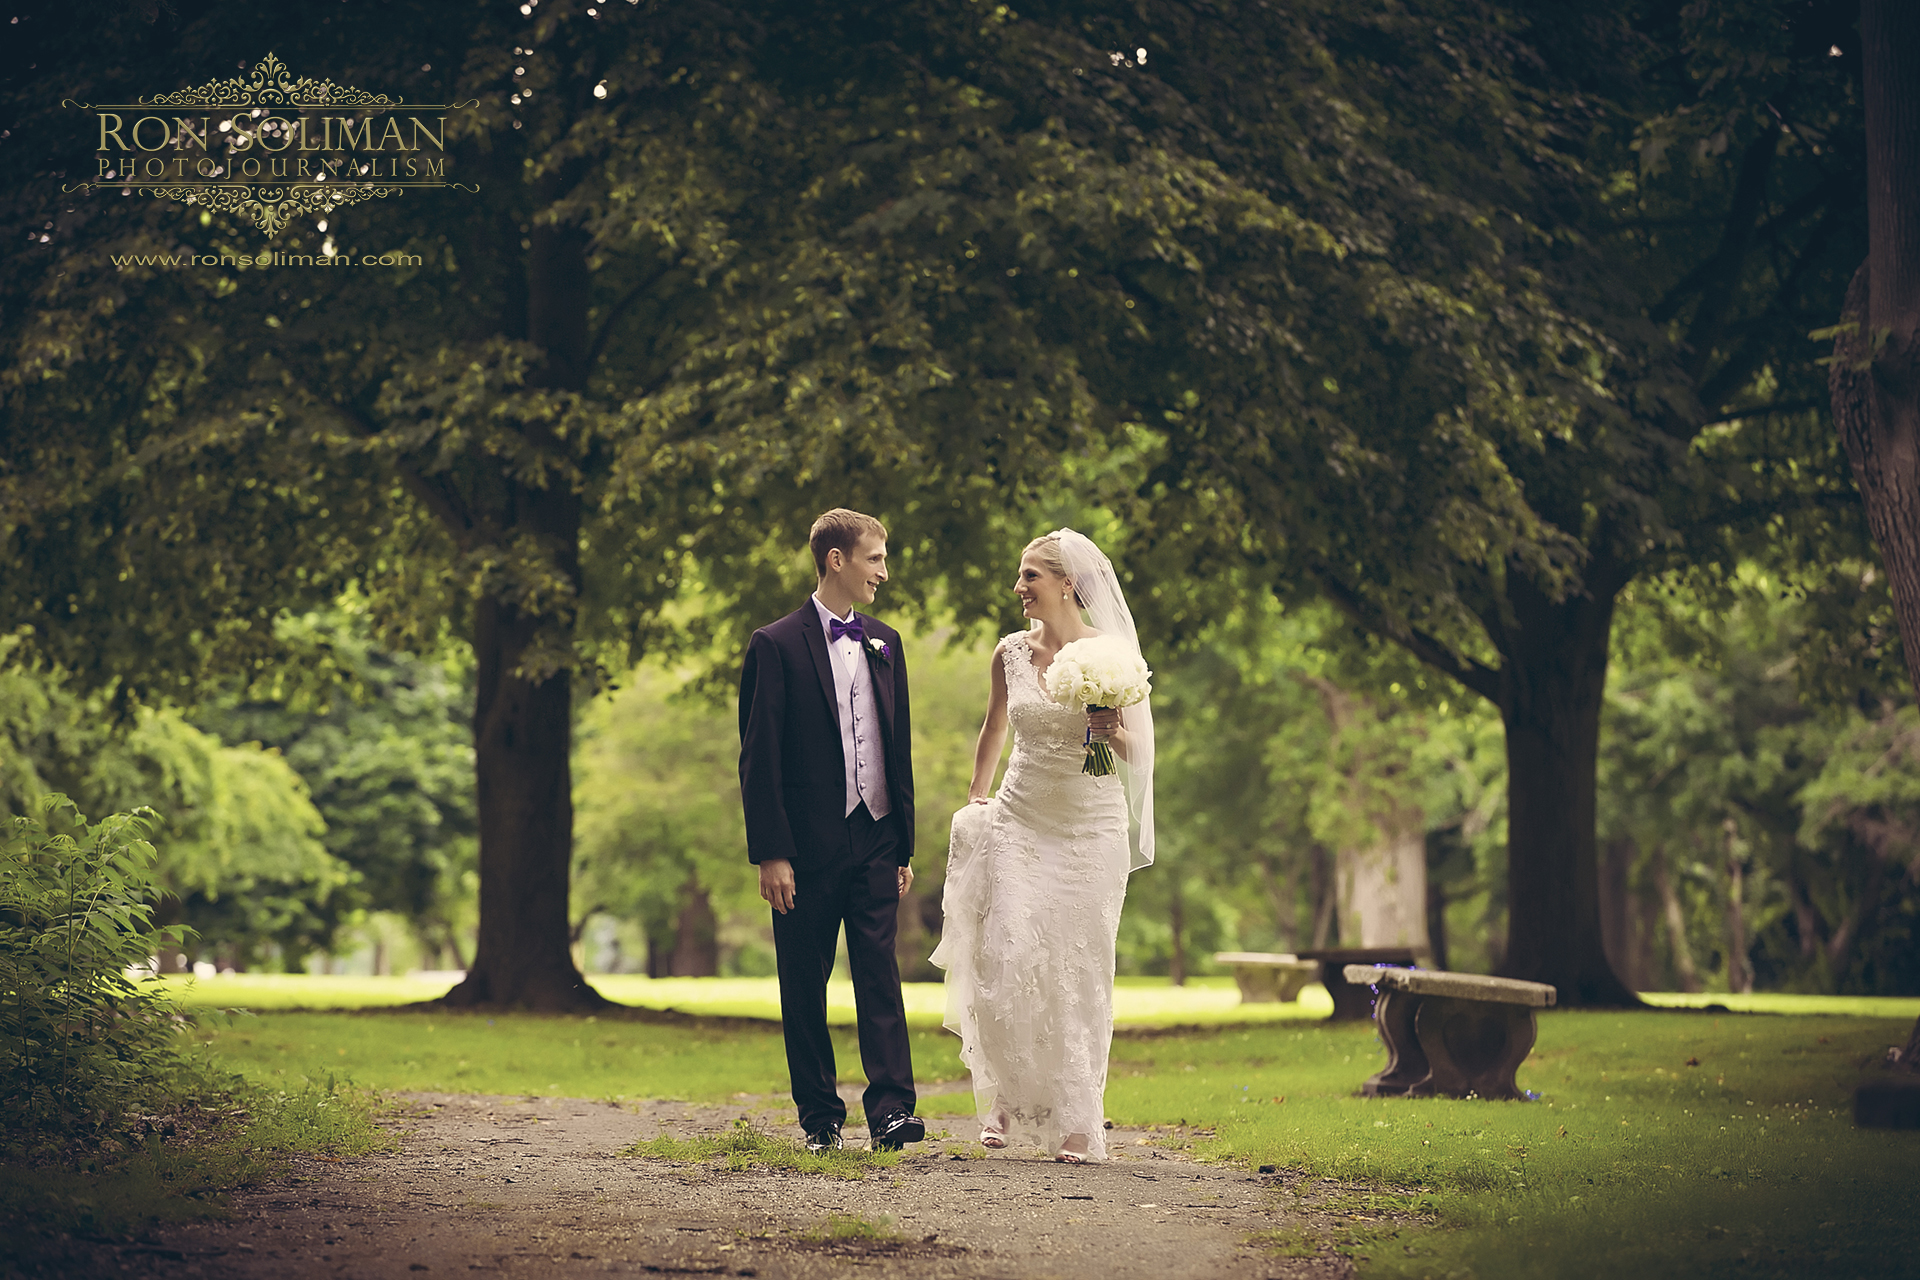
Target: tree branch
1810, 200
617, 313
1749, 197
1475, 675
1493, 610
1765, 411
1733, 374
439, 498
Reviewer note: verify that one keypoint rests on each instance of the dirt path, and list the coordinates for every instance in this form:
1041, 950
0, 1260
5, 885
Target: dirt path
534, 1187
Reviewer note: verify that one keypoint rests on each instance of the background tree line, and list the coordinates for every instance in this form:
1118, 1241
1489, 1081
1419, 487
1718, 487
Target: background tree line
1751, 835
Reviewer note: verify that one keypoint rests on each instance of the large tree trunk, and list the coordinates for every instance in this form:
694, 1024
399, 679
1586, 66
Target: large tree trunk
1629, 916
918, 934
523, 719
659, 954
1876, 405
1739, 966
1437, 921
1326, 917
1875, 377
1280, 893
1380, 888
521, 731
696, 944
1676, 917
1177, 919
1883, 445
1616, 909
1383, 890
1552, 683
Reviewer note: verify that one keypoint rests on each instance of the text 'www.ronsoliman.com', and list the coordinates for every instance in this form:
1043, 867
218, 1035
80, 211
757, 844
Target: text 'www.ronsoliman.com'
267, 259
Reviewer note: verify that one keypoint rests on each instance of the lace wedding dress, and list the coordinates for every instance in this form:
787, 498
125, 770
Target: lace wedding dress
1035, 880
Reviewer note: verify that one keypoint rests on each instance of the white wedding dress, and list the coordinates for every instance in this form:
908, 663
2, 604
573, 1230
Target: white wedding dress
1035, 881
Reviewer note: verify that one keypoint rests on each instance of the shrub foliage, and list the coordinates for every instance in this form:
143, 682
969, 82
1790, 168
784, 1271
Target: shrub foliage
81, 1040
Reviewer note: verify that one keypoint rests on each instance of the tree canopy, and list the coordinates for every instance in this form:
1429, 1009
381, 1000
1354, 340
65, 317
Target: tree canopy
1564, 346
712, 282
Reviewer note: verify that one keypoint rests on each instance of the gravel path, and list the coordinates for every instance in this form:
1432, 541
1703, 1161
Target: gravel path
535, 1187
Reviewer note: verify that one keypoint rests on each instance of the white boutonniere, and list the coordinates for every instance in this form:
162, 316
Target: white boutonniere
878, 646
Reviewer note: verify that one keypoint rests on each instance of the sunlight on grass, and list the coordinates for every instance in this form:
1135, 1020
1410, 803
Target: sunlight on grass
1745, 1161
298, 991
1907, 1007
575, 1057
1150, 1002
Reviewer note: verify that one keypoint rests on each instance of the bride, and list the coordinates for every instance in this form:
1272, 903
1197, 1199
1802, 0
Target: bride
1037, 873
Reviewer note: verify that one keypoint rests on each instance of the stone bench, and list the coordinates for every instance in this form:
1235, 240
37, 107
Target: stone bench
1268, 977
1893, 1100
1455, 1035
1351, 1003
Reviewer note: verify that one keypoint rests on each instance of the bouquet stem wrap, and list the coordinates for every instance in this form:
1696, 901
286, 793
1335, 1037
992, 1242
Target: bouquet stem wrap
1099, 761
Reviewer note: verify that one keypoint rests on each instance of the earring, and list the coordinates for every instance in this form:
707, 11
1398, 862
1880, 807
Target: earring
1065, 594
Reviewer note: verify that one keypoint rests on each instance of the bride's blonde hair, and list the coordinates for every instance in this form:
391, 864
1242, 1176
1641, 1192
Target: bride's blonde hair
1047, 548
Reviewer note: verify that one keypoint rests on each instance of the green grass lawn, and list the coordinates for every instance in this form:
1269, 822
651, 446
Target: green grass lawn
1145, 1002
576, 1057
1632, 1163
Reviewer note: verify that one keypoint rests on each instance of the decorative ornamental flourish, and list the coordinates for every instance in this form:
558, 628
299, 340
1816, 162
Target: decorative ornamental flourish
230, 180
271, 208
270, 84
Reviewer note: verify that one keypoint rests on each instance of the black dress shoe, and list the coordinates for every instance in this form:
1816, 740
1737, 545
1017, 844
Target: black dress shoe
825, 1138
896, 1132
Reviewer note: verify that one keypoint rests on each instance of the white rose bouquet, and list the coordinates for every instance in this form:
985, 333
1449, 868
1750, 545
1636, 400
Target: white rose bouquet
1099, 673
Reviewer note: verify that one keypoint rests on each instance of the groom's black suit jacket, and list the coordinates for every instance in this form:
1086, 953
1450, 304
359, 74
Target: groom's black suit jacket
793, 781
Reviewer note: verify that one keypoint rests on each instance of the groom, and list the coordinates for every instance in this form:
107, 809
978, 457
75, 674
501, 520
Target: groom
826, 777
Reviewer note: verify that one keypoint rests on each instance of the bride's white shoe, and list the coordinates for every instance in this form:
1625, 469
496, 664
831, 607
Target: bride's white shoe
994, 1133
1068, 1155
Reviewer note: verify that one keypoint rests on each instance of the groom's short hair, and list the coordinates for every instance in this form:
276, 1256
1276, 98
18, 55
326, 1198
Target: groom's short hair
840, 530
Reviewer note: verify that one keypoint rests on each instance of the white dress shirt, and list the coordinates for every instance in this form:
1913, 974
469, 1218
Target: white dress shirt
861, 746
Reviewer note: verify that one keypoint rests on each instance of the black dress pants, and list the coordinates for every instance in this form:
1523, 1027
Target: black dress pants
856, 885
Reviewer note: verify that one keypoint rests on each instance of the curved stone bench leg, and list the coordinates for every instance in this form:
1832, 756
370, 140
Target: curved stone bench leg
1251, 984
1474, 1046
1407, 1070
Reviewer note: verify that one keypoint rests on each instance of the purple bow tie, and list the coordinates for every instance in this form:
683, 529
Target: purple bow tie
851, 627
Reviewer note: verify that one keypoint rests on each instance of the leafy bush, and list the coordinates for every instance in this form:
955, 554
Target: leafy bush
383, 745
87, 1053
81, 1041
242, 858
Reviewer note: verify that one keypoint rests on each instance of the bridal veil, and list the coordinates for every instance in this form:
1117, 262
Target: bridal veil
1098, 587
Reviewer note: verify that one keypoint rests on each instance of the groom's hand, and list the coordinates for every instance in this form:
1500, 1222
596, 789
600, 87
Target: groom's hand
776, 884
906, 880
